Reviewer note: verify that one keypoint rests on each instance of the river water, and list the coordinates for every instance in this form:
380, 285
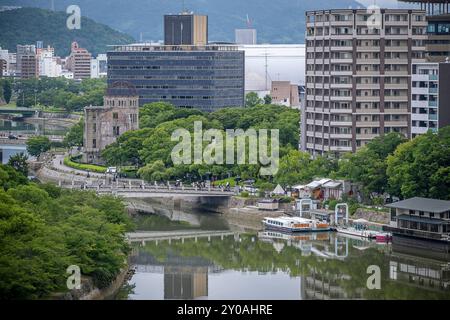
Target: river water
22, 127
271, 266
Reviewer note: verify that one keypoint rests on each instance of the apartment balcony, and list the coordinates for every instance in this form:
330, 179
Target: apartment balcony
396, 123
396, 98
416, 90
341, 149
396, 49
395, 111
363, 124
396, 73
367, 98
373, 86
433, 90
368, 49
341, 85
368, 61
419, 104
420, 77
335, 123
396, 61
338, 60
340, 135
343, 111
433, 117
310, 121
311, 49
396, 23
341, 73
433, 77
368, 111
345, 23
369, 73
397, 86
342, 36
343, 48
366, 136
341, 98
419, 116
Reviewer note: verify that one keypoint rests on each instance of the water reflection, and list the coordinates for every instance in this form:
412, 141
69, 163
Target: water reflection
271, 265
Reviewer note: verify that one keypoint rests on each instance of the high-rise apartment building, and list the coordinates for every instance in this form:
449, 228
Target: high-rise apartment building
27, 64
79, 62
186, 29
358, 69
430, 105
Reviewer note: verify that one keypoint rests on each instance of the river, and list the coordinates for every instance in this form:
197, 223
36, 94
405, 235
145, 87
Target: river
26, 127
271, 266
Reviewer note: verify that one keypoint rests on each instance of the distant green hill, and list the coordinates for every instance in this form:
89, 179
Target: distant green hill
277, 21
28, 25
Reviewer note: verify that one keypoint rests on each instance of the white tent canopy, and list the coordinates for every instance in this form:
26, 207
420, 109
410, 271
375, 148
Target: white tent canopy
278, 190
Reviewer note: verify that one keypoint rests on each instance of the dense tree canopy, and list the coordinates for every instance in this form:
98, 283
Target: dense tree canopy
38, 145
421, 167
59, 92
152, 143
44, 230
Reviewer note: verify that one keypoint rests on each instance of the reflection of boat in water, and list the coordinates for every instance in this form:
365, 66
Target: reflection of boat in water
360, 229
271, 235
295, 224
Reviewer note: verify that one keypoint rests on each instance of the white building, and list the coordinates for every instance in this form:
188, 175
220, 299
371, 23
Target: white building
430, 97
48, 63
99, 66
265, 63
245, 36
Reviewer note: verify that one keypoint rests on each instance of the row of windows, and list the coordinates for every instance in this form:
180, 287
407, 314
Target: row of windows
173, 58
114, 67
173, 77
158, 97
181, 87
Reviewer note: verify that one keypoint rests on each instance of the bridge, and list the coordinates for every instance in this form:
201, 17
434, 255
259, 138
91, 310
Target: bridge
19, 111
147, 236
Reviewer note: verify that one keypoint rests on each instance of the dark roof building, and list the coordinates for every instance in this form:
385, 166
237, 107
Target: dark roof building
421, 218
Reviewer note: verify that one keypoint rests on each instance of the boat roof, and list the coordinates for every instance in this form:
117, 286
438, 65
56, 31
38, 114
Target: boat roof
422, 204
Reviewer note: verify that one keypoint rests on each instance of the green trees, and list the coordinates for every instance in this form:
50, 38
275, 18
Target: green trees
252, 100
7, 90
44, 230
421, 167
19, 163
60, 93
74, 138
38, 145
368, 165
267, 99
299, 167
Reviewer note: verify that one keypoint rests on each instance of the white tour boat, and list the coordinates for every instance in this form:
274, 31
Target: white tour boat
295, 224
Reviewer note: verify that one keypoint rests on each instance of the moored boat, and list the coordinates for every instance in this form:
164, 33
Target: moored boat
295, 224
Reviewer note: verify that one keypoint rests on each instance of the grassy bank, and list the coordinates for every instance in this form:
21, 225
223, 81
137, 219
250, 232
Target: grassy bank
82, 166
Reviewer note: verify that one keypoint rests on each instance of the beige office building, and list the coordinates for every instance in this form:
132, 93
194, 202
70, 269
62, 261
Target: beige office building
79, 62
358, 76
285, 93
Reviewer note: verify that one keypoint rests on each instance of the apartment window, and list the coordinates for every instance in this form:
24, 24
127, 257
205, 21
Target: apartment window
94, 143
115, 116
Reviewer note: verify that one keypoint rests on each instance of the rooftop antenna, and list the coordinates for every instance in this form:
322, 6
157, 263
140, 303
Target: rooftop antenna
249, 22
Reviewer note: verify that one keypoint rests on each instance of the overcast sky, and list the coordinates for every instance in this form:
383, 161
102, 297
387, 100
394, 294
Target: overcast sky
384, 3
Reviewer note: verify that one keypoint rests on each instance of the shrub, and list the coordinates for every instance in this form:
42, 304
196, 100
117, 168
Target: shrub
244, 194
82, 166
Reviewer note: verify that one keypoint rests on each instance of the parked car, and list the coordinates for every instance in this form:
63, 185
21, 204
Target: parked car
13, 137
111, 170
